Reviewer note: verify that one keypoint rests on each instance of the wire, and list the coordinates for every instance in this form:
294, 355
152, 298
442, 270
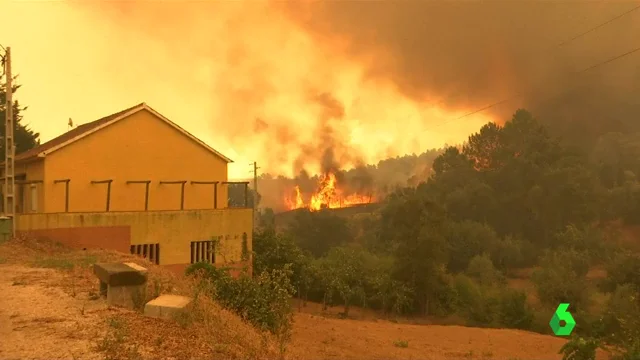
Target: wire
575, 73
561, 44
599, 26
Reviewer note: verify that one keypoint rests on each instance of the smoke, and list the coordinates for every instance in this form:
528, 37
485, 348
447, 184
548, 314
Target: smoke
260, 87
309, 86
466, 55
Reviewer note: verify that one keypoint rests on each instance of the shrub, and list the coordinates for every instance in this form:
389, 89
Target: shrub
580, 349
624, 268
263, 301
514, 312
508, 254
587, 241
481, 268
465, 239
561, 279
622, 316
473, 302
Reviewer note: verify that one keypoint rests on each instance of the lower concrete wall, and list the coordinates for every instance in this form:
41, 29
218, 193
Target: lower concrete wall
173, 230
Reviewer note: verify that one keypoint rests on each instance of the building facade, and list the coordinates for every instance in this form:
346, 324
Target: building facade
133, 181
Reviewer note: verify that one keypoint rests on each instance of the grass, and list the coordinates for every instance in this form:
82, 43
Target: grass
114, 345
401, 343
64, 262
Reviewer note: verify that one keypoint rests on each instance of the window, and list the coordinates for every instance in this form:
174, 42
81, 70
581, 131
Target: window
34, 198
203, 251
150, 252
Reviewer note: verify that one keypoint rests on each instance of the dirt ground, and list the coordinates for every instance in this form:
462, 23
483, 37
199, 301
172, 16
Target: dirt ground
53, 314
323, 338
40, 321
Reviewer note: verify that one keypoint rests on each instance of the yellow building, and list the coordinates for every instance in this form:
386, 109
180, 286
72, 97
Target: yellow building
132, 178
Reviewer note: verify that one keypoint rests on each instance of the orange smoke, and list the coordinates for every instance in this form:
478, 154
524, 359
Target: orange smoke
327, 196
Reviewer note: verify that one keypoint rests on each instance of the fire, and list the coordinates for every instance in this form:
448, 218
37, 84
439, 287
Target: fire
295, 203
328, 195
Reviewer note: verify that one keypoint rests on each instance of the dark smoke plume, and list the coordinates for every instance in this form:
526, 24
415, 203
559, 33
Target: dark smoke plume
470, 54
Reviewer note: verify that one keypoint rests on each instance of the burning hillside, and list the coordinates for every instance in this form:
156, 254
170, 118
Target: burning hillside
329, 194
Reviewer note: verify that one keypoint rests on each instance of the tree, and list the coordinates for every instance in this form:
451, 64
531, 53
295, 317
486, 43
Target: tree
237, 196
267, 218
415, 227
25, 138
273, 251
465, 240
561, 278
319, 231
343, 273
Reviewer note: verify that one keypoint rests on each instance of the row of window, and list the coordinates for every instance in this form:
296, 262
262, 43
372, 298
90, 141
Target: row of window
201, 251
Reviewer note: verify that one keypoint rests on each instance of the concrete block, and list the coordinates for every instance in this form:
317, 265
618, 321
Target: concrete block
130, 297
166, 306
137, 267
118, 274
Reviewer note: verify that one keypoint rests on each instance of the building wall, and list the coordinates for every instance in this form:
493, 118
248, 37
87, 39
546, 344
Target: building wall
33, 171
173, 230
141, 147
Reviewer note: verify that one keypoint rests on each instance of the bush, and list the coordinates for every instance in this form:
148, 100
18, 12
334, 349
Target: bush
588, 241
561, 279
474, 302
481, 268
514, 312
508, 254
263, 301
624, 268
622, 316
580, 349
465, 239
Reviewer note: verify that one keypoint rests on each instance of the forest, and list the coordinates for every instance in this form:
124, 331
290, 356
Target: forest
513, 198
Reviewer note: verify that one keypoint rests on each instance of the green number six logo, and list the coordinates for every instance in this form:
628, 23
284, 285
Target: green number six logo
562, 314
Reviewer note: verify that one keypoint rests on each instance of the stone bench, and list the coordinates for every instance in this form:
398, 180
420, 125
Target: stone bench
123, 284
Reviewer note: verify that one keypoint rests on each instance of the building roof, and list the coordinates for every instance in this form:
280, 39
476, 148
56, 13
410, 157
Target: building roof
83, 130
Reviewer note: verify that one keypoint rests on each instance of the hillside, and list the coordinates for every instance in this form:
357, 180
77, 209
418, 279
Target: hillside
283, 219
49, 298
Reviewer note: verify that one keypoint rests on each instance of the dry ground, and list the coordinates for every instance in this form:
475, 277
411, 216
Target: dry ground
49, 310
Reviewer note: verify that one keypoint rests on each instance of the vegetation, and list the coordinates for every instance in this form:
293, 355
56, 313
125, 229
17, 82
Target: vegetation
263, 300
25, 137
511, 198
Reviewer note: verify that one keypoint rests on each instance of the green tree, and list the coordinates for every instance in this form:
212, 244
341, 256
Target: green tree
414, 226
25, 137
343, 273
319, 231
482, 270
465, 239
561, 278
274, 251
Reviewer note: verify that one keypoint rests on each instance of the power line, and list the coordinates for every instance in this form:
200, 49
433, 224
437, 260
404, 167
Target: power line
561, 44
599, 26
575, 73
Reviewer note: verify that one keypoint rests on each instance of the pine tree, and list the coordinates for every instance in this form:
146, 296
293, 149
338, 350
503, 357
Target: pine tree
25, 138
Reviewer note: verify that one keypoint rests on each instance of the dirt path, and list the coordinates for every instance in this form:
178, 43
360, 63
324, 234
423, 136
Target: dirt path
38, 320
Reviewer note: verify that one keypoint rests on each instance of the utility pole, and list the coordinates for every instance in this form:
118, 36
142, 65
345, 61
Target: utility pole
255, 193
9, 149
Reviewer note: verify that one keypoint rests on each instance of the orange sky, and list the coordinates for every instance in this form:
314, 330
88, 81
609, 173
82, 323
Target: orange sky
213, 68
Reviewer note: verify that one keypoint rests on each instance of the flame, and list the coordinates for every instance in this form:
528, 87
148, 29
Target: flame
297, 202
327, 196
